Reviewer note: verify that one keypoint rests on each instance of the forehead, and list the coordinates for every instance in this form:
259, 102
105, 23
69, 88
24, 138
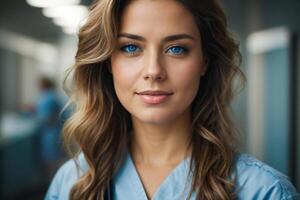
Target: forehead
157, 16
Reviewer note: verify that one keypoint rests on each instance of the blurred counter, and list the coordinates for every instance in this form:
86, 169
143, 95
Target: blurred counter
20, 167
15, 127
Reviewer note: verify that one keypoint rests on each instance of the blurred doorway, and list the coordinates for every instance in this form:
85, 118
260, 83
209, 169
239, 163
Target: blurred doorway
271, 102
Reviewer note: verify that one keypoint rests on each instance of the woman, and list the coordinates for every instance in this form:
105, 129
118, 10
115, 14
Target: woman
152, 84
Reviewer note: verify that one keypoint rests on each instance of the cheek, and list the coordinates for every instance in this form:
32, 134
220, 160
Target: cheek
190, 85
188, 74
124, 73
186, 77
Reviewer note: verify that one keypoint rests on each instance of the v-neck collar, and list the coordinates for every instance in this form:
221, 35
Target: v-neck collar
177, 183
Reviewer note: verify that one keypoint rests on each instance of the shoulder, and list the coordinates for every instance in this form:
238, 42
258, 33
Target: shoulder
257, 180
66, 177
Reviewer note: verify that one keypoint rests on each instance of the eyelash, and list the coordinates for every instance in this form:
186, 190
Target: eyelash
183, 50
123, 48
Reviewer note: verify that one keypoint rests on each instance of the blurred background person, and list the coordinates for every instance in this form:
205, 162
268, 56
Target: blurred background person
48, 111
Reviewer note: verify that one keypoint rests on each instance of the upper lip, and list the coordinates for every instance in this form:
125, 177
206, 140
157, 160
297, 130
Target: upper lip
154, 92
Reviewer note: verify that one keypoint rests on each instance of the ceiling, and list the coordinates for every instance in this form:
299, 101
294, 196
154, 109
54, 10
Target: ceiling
18, 17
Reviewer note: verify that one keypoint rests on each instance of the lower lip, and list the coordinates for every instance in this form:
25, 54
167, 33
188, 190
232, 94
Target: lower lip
154, 99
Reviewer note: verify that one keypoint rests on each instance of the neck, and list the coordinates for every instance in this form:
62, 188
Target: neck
163, 144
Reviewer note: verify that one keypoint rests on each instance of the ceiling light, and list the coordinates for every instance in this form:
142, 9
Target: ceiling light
51, 3
65, 11
74, 21
70, 30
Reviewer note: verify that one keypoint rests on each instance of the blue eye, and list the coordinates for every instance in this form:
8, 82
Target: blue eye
130, 48
177, 50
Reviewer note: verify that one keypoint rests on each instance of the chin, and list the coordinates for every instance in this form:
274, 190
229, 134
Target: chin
155, 118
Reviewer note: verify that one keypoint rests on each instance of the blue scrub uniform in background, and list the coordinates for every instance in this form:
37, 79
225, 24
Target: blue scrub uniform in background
48, 110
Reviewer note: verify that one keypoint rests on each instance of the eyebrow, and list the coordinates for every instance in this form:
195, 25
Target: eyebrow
166, 39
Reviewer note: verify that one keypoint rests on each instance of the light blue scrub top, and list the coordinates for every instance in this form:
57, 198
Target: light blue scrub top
255, 181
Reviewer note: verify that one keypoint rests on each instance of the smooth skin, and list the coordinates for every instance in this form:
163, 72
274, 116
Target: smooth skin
158, 48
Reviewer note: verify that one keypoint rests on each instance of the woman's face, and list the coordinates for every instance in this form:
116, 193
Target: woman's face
158, 62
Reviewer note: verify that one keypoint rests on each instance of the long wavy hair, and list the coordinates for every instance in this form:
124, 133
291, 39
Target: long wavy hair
100, 125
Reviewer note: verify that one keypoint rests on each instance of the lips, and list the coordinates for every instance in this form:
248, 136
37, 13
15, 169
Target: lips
154, 96
154, 92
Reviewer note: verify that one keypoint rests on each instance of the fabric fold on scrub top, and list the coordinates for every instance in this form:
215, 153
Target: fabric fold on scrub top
255, 181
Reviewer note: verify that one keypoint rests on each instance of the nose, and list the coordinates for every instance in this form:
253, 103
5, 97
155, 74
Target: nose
153, 67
